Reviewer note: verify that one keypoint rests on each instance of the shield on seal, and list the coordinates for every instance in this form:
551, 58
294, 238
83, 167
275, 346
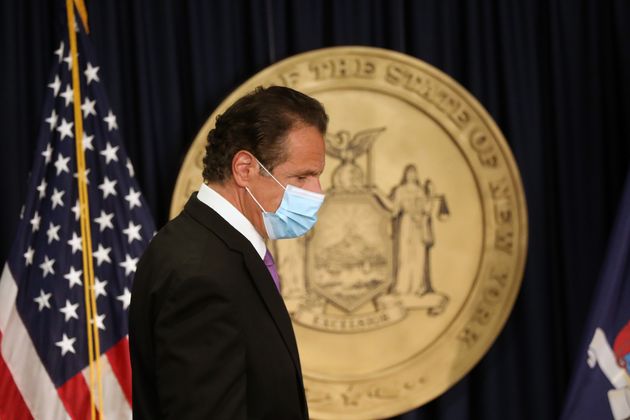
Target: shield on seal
349, 253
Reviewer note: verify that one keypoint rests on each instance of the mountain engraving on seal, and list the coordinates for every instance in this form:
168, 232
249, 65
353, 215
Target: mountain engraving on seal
367, 262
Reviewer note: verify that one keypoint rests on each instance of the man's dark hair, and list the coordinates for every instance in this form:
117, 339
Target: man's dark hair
259, 123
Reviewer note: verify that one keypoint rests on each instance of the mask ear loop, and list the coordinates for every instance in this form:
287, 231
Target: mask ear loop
270, 174
254, 198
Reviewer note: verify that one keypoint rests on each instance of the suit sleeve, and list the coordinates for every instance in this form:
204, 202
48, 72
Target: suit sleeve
199, 354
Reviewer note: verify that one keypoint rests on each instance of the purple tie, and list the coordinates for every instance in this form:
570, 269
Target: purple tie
271, 266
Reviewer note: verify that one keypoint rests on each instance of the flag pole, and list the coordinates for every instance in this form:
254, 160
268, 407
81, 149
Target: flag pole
80, 4
96, 386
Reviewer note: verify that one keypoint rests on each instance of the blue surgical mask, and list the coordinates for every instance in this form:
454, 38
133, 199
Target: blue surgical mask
297, 212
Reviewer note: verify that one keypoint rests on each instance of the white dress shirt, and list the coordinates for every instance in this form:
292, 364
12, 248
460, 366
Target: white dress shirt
235, 218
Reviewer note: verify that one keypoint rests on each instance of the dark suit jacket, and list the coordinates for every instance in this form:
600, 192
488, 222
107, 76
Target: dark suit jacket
209, 334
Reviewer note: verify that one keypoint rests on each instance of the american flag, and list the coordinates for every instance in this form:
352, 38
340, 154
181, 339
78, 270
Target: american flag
600, 388
44, 360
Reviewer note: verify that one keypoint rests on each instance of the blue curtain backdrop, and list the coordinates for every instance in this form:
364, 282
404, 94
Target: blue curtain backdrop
554, 74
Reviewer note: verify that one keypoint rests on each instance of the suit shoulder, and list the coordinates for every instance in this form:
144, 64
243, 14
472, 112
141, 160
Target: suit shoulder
185, 246
181, 230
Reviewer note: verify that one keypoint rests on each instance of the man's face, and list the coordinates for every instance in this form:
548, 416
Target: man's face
303, 167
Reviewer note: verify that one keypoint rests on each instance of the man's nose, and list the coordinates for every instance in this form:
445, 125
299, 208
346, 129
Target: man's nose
315, 186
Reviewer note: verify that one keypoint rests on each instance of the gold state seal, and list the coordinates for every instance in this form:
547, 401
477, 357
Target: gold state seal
418, 254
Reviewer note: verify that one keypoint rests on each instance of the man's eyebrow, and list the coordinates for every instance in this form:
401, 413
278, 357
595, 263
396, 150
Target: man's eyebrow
307, 172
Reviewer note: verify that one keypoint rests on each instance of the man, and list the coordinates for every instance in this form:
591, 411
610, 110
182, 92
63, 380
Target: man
210, 336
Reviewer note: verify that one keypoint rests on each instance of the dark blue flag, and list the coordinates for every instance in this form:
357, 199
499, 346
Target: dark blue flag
601, 384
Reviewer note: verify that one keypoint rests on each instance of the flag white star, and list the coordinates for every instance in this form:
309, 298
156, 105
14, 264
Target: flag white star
129, 264
125, 298
28, 256
59, 52
87, 141
62, 164
74, 277
56, 198
110, 119
108, 187
104, 221
130, 167
68, 60
22, 212
70, 311
75, 243
53, 232
110, 153
41, 188
43, 300
65, 129
102, 254
52, 120
47, 266
91, 73
99, 322
99, 288
66, 344
68, 95
133, 232
88, 107
133, 198
35, 222
47, 154
85, 178
76, 209
56, 85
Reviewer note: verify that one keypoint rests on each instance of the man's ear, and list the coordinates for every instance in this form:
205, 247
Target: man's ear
244, 166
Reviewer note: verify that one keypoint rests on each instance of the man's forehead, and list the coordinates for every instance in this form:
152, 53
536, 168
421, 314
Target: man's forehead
305, 143
306, 152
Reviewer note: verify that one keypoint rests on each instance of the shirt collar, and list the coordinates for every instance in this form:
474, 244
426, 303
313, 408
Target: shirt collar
235, 218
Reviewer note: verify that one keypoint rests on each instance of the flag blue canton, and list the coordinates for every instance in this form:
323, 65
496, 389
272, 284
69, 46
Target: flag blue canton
46, 258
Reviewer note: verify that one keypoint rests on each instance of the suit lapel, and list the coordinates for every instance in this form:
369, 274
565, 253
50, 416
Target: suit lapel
259, 273
273, 300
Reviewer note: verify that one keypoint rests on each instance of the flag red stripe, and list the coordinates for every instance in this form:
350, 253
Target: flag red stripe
75, 395
12, 405
118, 357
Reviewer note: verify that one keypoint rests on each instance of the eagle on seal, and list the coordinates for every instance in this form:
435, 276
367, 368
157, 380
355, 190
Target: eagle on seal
347, 148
